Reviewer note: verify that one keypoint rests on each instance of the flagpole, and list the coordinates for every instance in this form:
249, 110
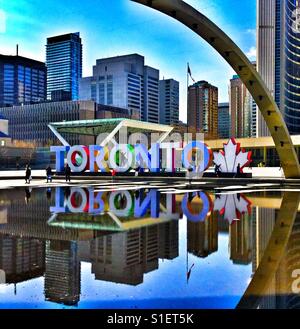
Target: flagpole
187, 95
187, 116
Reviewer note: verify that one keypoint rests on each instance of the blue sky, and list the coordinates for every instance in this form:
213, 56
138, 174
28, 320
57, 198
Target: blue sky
117, 27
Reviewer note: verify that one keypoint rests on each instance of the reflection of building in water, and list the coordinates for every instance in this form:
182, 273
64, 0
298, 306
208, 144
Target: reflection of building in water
62, 276
202, 236
168, 240
240, 237
125, 257
265, 221
3, 214
21, 259
285, 297
30, 220
223, 225
264, 224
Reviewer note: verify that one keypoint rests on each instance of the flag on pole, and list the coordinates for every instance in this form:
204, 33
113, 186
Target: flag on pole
190, 72
189, 273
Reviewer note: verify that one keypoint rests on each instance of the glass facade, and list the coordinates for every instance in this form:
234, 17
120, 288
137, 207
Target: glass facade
23, 82
134, 93
292, 69
153, 99
124, 82
169, 101
30, 122
223, 120
64, 64
286, 71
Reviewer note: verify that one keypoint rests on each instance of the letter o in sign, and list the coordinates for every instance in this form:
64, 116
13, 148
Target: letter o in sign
84, 157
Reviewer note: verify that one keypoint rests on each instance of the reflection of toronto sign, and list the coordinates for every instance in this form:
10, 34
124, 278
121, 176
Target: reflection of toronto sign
195, 156
123, 203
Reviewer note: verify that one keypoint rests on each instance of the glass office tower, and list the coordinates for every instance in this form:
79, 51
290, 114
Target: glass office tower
22, 80
125, 82
64, 65
169, 101
278, 58
290, 96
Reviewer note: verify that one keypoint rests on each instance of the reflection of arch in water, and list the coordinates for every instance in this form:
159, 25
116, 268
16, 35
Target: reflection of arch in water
2, 277
211, 33
273, 253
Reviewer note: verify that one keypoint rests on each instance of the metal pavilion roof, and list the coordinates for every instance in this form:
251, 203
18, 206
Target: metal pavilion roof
112, 126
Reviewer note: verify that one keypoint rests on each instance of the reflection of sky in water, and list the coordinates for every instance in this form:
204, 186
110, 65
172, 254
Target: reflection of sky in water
215, 282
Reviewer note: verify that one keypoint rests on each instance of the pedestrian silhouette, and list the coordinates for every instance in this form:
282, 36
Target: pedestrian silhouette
238, 170
68, 173
49, 174
27, 174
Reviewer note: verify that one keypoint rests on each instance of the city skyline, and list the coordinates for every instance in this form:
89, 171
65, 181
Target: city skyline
103, 36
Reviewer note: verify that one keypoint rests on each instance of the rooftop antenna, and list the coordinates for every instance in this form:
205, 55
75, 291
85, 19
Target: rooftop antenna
17, 50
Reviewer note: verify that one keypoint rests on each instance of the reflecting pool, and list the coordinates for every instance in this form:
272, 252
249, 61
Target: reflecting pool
107, 246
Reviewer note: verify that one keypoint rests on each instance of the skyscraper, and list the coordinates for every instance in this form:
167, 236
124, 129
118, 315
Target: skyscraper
241, 107
22, 80
224, 120
125, 82
278, 58
202, 113
169, 101
64, 65
150, 99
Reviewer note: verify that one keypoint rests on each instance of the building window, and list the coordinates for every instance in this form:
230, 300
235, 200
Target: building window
109, 90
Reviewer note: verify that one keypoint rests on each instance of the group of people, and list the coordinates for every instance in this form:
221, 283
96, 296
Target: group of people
49, 174
218, 170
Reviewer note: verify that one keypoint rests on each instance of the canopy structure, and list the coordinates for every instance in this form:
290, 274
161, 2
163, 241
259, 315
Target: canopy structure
108, 126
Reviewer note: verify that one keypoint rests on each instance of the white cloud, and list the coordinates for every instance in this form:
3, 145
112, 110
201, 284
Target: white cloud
251, 53
252, 32
2, 21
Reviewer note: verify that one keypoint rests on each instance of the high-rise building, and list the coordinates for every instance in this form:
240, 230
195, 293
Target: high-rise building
169, 101
202, 113
150, 98
224, 121
278, 58
240, 107
253, 129
22, 80
125, 82
64, 65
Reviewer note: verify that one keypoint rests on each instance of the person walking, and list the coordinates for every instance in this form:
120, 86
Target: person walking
49, 174
27, 174
68, 173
